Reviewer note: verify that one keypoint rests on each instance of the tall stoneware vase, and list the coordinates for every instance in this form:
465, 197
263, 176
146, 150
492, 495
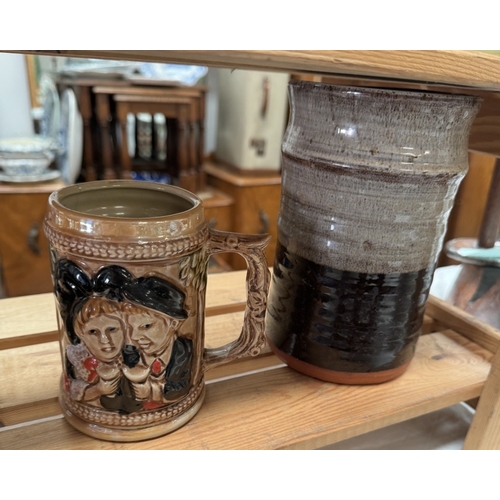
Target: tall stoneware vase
369, 179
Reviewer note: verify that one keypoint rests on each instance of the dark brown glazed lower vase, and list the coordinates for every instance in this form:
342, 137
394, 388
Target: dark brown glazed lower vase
336, 377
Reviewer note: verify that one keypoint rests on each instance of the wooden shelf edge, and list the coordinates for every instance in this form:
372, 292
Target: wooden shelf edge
27, 340
467, 68
465, 324
274, 407
223, 172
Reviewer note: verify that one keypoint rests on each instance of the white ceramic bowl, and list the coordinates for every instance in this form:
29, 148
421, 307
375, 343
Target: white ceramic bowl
35, 144
25, 164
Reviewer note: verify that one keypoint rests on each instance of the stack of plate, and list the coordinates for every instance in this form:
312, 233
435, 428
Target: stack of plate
56, 152
70, 138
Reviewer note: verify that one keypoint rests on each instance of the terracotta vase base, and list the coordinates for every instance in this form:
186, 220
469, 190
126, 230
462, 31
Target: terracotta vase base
337, 377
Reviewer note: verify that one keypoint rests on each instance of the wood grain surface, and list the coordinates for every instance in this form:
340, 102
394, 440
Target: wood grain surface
466, 68
25, 269
279, 408
225, 293
484, 433
464, 323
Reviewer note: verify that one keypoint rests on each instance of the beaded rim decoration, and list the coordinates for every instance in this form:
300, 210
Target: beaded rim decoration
126, 251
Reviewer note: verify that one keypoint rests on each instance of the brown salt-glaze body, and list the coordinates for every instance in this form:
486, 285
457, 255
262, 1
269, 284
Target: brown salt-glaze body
369, 179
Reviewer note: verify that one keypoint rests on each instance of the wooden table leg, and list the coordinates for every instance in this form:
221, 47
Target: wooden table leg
84, 99
201, 143
172, 153
125, 161
184, 177
104, 120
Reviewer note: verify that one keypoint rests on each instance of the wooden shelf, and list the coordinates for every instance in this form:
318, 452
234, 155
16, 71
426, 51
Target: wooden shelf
258, 403
452, 67
262, 403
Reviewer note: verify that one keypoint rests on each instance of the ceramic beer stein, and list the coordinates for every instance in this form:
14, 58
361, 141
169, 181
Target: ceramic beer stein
369, 179
129, 266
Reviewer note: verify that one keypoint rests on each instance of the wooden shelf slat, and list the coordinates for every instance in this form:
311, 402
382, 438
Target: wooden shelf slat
484, 432
466, 68
19, 388
464, 323
226, 293
17, 393
279, 408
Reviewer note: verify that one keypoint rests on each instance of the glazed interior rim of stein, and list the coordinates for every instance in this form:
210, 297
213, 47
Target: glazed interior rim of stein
126, 208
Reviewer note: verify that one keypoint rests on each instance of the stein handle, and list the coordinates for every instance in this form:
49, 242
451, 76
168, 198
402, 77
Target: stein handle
252, 337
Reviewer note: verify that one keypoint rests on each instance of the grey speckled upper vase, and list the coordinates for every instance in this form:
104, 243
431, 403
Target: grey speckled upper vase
369, 179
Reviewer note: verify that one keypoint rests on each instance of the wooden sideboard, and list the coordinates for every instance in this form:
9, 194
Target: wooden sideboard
256, 205
24, 252
458, 359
